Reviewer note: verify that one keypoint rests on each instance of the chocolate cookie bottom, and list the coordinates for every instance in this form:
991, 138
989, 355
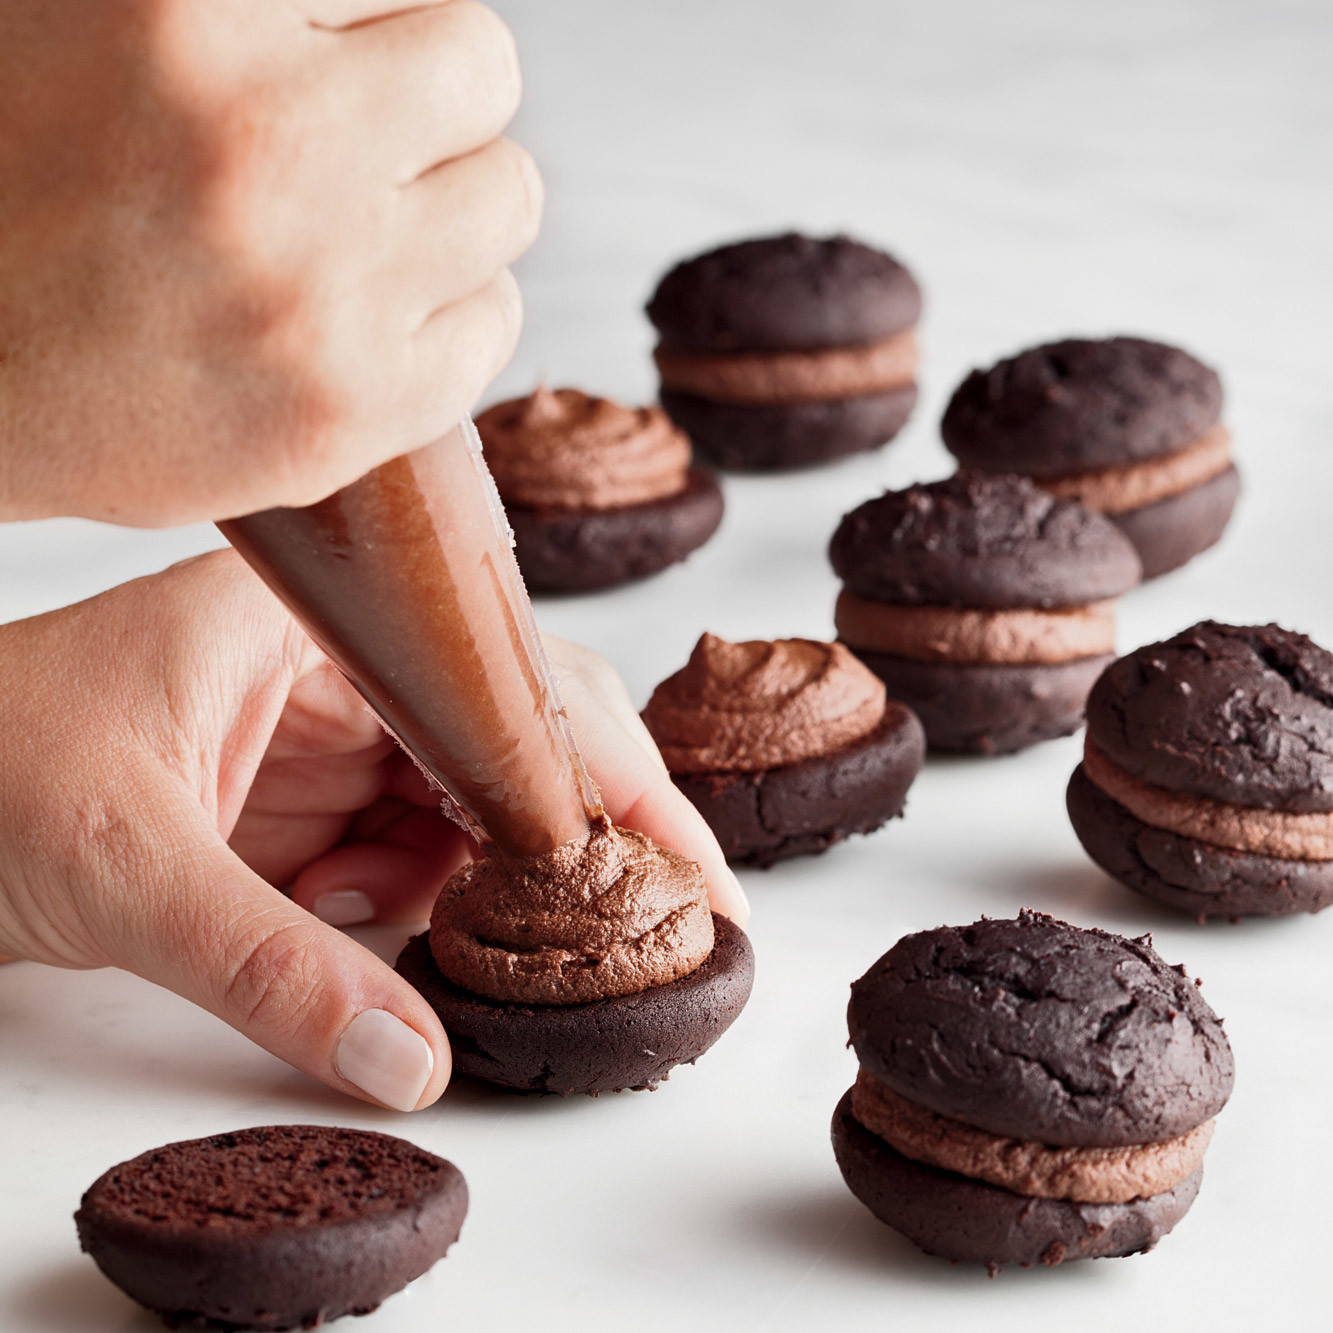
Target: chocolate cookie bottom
1170, 532
796, 809
578, 550
311, 1223
1187, 874
632, 1041
958, 1218
989, 709
773, 437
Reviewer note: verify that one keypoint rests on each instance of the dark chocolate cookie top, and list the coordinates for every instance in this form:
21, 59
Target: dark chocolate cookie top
978, 540
784, 293
1034, 1029
254, 1180
1236, 714
1081, 404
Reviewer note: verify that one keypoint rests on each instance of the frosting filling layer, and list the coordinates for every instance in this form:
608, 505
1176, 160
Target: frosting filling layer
1081, 1175
792, 377
612, 915
747, 707
562, 449
1238, 828
964, 635
1117, 490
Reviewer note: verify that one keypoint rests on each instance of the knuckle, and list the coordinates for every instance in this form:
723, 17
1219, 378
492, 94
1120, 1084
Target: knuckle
270, 977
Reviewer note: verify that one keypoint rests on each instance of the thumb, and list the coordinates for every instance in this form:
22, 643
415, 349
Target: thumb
215, 933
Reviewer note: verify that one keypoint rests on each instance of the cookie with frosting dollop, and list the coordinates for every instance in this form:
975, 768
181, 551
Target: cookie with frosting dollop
596, 493
785, 746
594, 967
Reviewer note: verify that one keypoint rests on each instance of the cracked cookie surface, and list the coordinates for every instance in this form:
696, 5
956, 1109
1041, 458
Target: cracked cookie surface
1039, 1030
1240, 714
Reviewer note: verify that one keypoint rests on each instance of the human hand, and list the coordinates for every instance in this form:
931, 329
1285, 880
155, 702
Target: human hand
249, 249
189, 748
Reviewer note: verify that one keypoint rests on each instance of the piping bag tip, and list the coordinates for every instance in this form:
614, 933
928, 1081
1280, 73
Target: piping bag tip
407, 580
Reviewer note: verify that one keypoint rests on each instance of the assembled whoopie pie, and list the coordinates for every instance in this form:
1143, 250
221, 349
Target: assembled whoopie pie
596, 493
593, 968
1207, 775
984, 604
287, 1226
1029, 1092
1126, 426
787, 351
785, 747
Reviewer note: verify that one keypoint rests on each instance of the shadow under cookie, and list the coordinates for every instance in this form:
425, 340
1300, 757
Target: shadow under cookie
797, 809
963, 1219
1185, 873
989, 708
770, 437
1172, 531
630, 1041
578, 550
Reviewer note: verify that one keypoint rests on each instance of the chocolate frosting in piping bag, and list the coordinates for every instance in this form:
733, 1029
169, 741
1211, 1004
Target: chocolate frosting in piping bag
407, 580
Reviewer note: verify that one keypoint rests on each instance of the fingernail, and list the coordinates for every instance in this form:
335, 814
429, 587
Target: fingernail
344, 907
385, 1058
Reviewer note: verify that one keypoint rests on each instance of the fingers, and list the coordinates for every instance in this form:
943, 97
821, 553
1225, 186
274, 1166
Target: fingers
429, 84
487, 204
393, 878
636, 788
456, 354
215, 933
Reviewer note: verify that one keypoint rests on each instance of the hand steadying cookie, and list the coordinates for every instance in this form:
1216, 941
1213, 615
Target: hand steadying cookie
154, 793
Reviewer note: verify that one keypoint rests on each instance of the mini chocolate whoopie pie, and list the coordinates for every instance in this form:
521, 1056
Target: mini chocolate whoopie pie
597, 967
286, 1226
784, 747
1126, 426
1029, 1092
984, 604
787, 351
1207, 775
596, 493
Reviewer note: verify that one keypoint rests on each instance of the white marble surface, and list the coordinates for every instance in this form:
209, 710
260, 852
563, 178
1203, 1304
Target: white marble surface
1152, 166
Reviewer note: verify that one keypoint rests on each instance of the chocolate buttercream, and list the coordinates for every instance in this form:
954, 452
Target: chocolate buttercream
792, 377
563, 449
1079, 1174
612, 915
747, 707
1117, 490
1242, 828
959, 634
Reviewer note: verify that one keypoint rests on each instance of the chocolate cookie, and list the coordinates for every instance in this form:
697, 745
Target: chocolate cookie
971, 1222
1207, 779
1029, 1092
287, 1226
784, 747
562, 550
1127, 426
632, 1041
984, 604
787, 351
596, 494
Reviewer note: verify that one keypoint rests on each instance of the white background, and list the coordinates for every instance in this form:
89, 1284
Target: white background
1156, 167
